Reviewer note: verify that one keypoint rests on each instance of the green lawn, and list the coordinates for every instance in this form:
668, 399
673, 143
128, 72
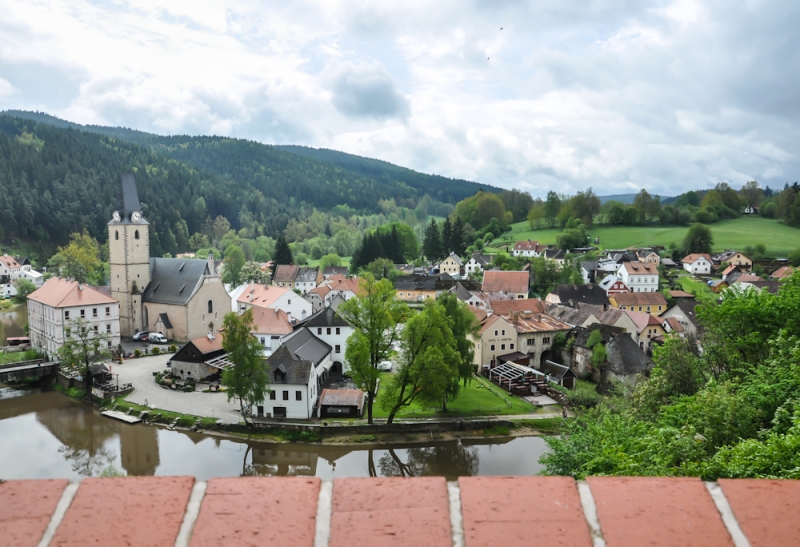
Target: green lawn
779, 239
697, 287
472, 400
17, 356
314, 263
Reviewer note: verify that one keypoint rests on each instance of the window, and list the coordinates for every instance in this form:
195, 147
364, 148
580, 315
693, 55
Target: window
546, 340
271, 395
285, 395
298, 395
531, 341
116, 234
338, 330
136, 234
502, 347
66, 316
503, 332
83, 313
289, 302
94, 312
495, 333
511, 346
338, 348
491, 347
96, 329
108, 328
648, 308
108, 312
210, 306
108, 343
263, 343
328, 330
319, 330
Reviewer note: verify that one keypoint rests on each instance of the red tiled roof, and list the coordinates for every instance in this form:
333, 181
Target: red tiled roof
689, 259
648, 268
206, 345
10, 262
58, 292
639, 299
504, 307
342, 397
526, 245
784, 271
271, 321
262, 296
505, 281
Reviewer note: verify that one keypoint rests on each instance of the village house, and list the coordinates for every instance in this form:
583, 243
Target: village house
684, 312
734, 258
535, 334
627, 363
529, 249
782, 273
586, 315
639, 276
478, 262
13, 268
307, 279
452, 265
270, 326
697, 263
417, 288
671, 325
513, 284
474, 298
330, 271
279, 298
497, 337
555, 255
653, 303
316, 297
303, 343
59, 302
285, 275
648, 255
572, 295
192, 360
293, 384
612, 284
329, 327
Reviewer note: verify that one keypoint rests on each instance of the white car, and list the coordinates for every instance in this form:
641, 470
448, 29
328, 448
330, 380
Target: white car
157, 338
385, 366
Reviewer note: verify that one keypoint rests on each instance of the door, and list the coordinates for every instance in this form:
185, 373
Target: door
279, 411
260, 411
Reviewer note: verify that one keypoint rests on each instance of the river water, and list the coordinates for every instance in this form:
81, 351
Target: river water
12, 322
48, 435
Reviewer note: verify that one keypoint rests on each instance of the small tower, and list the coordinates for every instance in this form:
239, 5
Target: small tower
129, 257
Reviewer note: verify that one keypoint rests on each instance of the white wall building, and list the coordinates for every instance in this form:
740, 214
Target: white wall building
12, 269
697, 264
53, 307
294, 387
334, 331
272, 297
639, 276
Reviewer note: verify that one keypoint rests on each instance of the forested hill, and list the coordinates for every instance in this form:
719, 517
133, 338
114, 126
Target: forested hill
57, 177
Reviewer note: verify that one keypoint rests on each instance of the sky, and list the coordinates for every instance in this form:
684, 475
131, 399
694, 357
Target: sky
617, 95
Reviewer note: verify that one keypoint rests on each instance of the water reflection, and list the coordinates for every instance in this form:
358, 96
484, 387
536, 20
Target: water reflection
47, 435
12, 323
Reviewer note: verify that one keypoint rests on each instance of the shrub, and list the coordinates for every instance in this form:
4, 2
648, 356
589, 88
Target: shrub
156, 351
173, 348
583, 396
188, 388
137, 353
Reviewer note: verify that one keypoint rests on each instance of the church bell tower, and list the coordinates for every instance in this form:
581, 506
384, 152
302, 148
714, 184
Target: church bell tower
129, 257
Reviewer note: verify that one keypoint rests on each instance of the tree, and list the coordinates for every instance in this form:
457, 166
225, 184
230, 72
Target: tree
283, 254
698, 239
536, 214
24, 288
574, 235
432, 244
84, 344
447, 237
79, 260
330, 259
381, 268
428, 363
457, 237
752, 193
464, 327
375, 315
251, 272
248, 378
552, 206
232, 266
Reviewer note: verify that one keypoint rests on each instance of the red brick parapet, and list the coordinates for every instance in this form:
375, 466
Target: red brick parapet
377, 512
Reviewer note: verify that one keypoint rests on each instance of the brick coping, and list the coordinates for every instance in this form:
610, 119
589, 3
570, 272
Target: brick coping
471, 512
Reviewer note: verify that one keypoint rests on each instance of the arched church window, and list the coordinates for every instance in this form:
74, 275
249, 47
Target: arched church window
136, 234
210, 307
116, 234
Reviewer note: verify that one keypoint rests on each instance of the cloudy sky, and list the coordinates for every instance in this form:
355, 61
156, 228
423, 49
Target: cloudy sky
616, 94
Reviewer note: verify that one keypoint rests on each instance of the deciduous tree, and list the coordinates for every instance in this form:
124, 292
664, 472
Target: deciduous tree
84, 345
248, 378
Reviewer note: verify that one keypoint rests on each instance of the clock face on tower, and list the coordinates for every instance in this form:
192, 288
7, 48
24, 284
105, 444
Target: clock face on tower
115, 216
136, 216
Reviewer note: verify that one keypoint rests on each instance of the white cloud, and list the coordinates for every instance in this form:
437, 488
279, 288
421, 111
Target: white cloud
617, 95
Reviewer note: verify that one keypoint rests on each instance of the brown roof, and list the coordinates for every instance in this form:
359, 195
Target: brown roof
639, 299
480, 313
641, 319
674, 324
653, 321
261, 296
506, 281
321, 290
286, 273
206, 346
688, 259
342, 397
526, 245
747, 278
345, 285
641, 268
58, 292
10, 261
536, 322
729, 269
491, 320
784, 271
270, 321
680, 294
504, 307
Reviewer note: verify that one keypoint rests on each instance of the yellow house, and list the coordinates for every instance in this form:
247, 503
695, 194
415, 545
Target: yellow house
452, 265
737, 259
653, 303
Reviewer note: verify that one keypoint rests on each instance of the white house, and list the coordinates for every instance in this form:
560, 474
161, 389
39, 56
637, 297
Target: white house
528, 248
13, 268
53, 307
478, 262
270, 326
697, 263
293, 384
327, 326
272, 297
639, 276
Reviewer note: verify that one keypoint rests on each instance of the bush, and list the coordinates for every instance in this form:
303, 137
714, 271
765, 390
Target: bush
188, 388
583, 396
137, 353
173, 348
769, 210
156, 351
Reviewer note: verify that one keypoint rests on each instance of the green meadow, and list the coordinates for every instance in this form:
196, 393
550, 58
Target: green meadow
739, 233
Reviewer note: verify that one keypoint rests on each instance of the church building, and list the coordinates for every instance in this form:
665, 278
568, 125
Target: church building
181, 298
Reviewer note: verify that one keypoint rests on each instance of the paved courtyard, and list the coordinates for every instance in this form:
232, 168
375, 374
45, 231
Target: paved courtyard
139, 372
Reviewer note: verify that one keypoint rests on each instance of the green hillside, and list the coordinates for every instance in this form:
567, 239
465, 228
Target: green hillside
779, 239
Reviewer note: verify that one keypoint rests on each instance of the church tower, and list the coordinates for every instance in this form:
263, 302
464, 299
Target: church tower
129, 257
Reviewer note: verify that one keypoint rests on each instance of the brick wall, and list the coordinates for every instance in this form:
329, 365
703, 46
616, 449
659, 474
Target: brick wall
376, 512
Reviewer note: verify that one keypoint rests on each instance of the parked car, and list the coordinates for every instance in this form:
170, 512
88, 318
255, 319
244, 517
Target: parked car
141, 336
385, 366
157, 338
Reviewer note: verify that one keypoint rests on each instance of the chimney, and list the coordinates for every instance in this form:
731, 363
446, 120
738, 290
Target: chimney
515, 316
538, 316
80, 286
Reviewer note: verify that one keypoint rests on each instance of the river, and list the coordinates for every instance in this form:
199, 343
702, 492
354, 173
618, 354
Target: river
12, 322
48, 435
